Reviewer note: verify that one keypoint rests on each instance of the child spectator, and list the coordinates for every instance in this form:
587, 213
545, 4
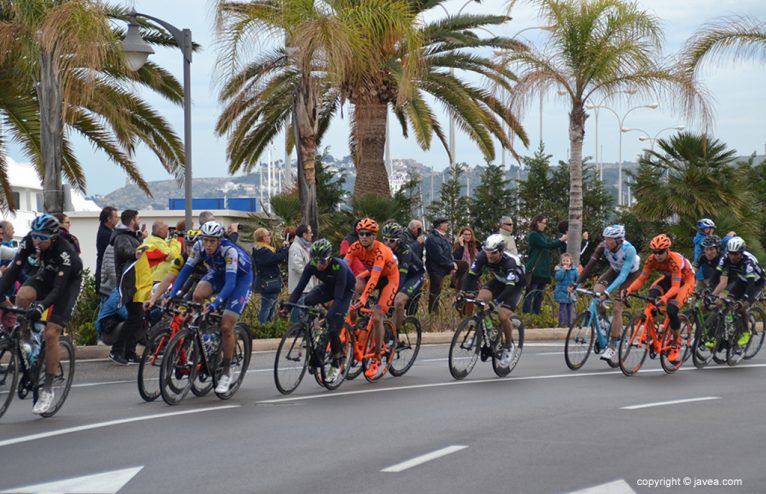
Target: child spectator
565, 275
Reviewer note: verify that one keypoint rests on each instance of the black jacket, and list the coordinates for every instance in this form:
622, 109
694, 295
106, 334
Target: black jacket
412, 242
439, 260
266, 265
125, 242
103, 237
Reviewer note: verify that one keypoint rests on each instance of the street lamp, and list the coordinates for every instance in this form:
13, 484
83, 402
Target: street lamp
596, 108
653, 140
136, 53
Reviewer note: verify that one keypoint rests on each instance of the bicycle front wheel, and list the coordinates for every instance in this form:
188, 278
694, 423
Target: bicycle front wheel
9, 373
634, 345
179, 367
579, 341
407, 346
62, 378
704, 342
291, 360
151, 362
240, 360
464, 349
757, 326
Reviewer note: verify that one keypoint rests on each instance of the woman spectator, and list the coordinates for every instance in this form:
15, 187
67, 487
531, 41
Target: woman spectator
539, 260
464, 251
66, 224
268, 280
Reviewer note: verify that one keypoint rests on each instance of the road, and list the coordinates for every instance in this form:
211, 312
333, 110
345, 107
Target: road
544, 429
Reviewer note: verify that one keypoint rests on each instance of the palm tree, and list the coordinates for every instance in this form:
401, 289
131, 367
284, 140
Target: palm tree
739, 37
598, 47
62, 66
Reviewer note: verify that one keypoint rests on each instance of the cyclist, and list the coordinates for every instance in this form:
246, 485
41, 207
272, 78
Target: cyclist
411, 270
503, 290
673, 288
707, 274
624, 264
381, 271
230, 274
200, 270
336, 284
748, 279
54, 286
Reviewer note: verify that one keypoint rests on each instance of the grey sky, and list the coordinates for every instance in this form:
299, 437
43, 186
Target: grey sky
737, 90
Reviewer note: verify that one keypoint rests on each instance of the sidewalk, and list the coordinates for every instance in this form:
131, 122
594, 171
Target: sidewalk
270, 344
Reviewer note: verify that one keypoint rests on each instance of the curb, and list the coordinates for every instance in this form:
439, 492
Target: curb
270, 344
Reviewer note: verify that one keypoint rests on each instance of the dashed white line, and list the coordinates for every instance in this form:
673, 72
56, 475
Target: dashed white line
419, 460
672, 402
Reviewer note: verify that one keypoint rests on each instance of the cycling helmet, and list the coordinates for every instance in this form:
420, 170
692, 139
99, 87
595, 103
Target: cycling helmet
46, 223
705, 223
494, 242
192, 235
711, 241
368, 224
392, 230
614, 231
211, 229
736, 244
321, 249
660, 242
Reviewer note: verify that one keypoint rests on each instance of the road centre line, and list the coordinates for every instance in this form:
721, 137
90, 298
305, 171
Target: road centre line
419, 460
480, 381
673, 402
109, 423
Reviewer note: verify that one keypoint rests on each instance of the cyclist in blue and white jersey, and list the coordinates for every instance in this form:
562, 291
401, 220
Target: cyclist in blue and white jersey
624, 268
230, 275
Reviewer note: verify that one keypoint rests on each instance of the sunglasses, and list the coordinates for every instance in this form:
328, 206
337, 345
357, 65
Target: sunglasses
40, 236
508, 224
390, 240
491, 251
659, 252
320, 260
366, 234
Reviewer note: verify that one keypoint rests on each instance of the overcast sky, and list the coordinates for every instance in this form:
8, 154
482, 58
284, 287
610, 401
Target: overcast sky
739, 103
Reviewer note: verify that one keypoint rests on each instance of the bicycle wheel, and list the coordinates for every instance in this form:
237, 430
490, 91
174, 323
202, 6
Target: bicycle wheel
579, 342
9, 373
757, 327
179, 367
386, 351
704, 342
464, 349
291, 360
62, 378
151, 361
240, 360
202, 383
634, 346
517, 345
347, 346
667, 340
407, 346
360, 343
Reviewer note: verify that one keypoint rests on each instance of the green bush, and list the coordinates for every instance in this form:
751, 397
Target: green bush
83, 322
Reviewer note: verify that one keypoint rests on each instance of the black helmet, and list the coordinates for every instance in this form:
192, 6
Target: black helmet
321, 249
392, 230
711, 241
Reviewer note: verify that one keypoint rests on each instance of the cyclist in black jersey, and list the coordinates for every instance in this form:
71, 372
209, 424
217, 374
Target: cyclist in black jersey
411, 270
708, 261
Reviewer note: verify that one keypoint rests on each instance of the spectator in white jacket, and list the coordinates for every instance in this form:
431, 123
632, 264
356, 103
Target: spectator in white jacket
297, 259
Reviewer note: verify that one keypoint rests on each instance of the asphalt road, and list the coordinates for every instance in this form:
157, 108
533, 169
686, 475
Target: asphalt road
544, 429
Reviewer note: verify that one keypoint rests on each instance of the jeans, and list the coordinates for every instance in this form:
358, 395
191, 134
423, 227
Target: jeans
532, 304
566, 314
268, 307
434, 290
295, 314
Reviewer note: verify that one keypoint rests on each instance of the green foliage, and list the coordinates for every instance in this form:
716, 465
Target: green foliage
451, 204
492, 199
82, 324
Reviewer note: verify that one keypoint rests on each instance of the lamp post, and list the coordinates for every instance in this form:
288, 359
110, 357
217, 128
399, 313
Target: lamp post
136, 53
653, 140
596, 108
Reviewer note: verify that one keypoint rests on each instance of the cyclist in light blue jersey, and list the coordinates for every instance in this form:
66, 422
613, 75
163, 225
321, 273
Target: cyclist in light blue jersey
230, 275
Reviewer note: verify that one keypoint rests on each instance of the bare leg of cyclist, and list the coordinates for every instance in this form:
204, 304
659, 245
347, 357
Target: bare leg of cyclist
203, 292
377, 328
52, 351
507, 324
228, 320
400, 303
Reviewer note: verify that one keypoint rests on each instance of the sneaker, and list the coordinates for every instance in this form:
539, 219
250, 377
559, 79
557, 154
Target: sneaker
223, 383
372, 368
608, 354
675, 354
505, 357
711, 343
332, 374
744, 339
44, 402
117, 358
133, 359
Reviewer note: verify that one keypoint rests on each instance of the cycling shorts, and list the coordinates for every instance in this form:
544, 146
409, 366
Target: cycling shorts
510, 301
237, 301
387, 294
738, 288
610, 275
60, 311
663, 284
412, 285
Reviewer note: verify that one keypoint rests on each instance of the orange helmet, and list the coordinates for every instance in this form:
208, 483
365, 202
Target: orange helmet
660, 242
368, 224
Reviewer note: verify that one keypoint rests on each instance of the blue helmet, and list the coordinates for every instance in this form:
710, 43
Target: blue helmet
46, 223
705, 223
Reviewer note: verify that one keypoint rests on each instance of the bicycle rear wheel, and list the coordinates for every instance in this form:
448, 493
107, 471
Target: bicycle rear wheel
704, 342
240, 360
757, 328
179, 367
151, 361
347, 346
685, 340
9, 373
464, 349
62, 378
291, 360
407, 346
517, 345
634, 345
579, 342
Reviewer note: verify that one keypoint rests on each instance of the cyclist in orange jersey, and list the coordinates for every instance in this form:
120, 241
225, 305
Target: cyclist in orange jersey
382, 271
673, 288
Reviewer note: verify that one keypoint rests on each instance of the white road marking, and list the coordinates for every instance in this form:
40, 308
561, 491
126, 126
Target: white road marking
673, 402
100, 483
616, 487
419, 460
101, 425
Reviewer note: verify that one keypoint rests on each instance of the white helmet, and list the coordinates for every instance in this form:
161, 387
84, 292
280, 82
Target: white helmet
614, 231
736, 244
494, 242
212, 229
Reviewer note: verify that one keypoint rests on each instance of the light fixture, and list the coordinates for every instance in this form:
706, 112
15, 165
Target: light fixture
136, 50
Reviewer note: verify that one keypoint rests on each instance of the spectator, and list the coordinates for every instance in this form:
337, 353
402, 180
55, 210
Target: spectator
108, 219
464, 251
414, 238
132, 271
356, 266
439, 262
8, 250
7, 232
268, 280
505, 229
159, 252
563, 228
538, 267
566, 275
66, 224
300, 255
232, 231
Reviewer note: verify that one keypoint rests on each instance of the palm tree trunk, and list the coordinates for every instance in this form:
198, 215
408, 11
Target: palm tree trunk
369, 138
51, 132
576, 134
305, 128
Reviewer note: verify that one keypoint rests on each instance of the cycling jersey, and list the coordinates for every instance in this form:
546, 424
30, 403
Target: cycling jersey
411, 271
380, 263
745, 269
623, 261
507, 273
337, 276
675, 267
708, 270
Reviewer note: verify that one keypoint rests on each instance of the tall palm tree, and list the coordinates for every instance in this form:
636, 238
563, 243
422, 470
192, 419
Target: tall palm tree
598, 47
737, 36
62, 65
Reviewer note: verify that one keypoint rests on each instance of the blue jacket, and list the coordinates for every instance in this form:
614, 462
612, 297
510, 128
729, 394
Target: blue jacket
111, 308
564, 278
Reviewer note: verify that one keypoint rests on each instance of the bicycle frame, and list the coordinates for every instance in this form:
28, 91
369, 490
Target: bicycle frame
29, 374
